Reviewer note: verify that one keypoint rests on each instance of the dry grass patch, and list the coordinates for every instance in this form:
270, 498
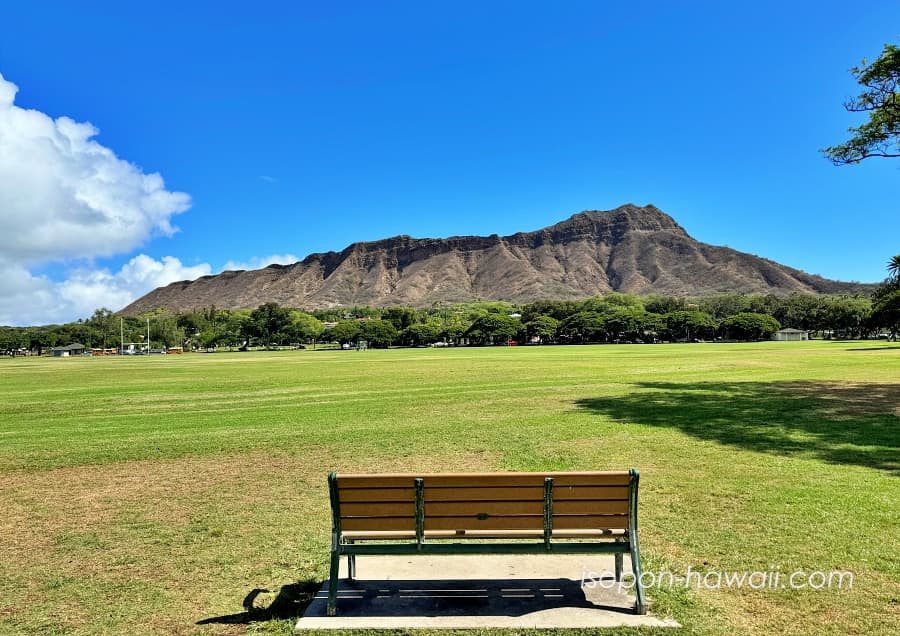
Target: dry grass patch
155, 546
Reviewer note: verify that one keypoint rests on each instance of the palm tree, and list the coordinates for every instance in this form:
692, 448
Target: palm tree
894, 267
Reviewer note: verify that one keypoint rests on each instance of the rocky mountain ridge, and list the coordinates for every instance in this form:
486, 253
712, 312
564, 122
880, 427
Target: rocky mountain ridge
631, 249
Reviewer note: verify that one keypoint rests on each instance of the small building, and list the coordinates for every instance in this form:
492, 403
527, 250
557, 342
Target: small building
74, 349
790, 335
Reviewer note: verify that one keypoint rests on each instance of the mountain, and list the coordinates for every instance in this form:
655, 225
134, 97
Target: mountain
639, 250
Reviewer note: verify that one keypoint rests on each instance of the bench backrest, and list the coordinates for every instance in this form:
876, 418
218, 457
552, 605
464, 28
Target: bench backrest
485, 501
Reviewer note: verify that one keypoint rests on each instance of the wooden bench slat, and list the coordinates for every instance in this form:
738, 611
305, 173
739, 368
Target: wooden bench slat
590, 507
606, 493
591, 479
526, 522
513, 522
378, 509
437, 481
611, 478
379, 523
473, 508
571, 522
499, 493
354, 495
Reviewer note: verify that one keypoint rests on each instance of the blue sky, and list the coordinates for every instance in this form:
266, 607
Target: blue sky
285, 128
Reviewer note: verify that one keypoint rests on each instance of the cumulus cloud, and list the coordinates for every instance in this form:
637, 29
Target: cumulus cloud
27, 299
64, 195
66, 198
261, 261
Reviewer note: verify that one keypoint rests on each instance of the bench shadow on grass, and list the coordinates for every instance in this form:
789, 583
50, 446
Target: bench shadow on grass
471, 597
391, 598
290, 603
841, 423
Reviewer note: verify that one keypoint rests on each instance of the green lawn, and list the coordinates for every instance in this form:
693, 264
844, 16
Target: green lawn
152, 495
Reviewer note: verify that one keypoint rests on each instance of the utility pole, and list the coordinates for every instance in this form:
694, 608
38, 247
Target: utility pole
121, 336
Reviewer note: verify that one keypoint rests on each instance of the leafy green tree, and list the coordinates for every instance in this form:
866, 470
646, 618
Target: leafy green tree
10, 339
49, 336
892, 282
454, 327
133, 328
879, 136
690, 325
630, 322
845, 315
345, 332
584, 326
424, 332
81, 332
378, 333
209, 338
543, 327
106, 326
658, 304
800, 311
494, 328
332, 314
723, 305
767, 304
886, 300
192, 321
236, 327
401, 317
749, 326
558, 309
610, 302
269, 321
304, 327
164, 330
886, 313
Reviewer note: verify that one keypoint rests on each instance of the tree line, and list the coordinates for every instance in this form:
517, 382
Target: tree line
613, 317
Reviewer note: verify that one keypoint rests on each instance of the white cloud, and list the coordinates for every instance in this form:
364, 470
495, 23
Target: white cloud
27, 299
261, 261
63, 195
66, 198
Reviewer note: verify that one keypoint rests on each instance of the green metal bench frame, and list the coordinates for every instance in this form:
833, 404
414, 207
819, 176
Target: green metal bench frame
620, 545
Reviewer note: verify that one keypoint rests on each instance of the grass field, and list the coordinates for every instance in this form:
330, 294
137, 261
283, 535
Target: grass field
152, 495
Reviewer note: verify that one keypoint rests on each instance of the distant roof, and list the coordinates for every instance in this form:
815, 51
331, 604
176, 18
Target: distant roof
71, 347
791, 330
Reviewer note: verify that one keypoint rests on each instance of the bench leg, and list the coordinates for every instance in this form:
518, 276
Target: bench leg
619, 560
351, 563
640, 605
333, 582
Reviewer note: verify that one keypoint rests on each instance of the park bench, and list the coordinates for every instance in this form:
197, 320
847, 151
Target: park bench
484, 513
